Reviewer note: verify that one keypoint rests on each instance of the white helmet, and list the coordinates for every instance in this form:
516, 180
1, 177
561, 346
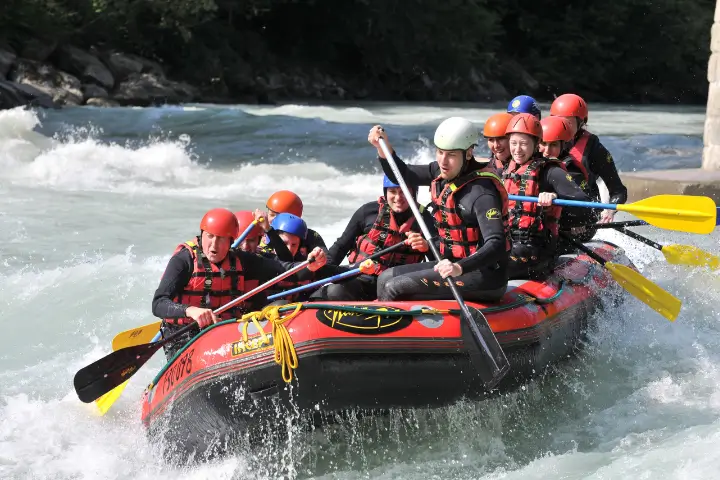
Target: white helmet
456, 133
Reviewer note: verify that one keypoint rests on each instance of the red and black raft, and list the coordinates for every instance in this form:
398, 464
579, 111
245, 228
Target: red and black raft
365, 355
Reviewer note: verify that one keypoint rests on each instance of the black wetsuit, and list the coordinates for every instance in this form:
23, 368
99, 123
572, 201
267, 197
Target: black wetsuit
599, 163
307, 245
178, 273
532, 259
484, 275
362, 287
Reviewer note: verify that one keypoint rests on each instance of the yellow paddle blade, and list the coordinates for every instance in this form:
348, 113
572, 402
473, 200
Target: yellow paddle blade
135, 336
689, 255
685, 213
105, 402
646, 291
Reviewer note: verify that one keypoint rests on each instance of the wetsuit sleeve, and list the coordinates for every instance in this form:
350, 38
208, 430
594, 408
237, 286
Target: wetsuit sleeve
314, 239
414, 175
486, 210
348, 239
602, 165
176, 277
555, 180
276, 243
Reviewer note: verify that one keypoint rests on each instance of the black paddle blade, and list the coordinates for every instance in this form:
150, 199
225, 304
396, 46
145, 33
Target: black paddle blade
486, 348
98, 378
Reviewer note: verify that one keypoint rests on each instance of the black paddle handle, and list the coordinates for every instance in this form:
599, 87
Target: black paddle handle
640, 238
627, 223
582, 247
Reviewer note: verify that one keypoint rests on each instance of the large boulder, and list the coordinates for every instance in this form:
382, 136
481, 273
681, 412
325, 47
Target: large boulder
122, 65
7, 59
15, 95
62, 87
84, 65
90, 90
38, 50
146, 89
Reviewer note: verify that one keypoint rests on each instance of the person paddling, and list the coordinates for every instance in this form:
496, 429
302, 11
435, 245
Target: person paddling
497, 140
204, 273
470, 213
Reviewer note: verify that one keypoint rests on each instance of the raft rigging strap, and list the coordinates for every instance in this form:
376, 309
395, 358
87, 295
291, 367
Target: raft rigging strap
278, 315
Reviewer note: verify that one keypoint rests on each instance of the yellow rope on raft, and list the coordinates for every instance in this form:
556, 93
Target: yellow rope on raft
285, 354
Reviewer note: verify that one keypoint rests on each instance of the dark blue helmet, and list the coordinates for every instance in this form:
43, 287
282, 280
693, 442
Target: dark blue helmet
524, 104
287, 222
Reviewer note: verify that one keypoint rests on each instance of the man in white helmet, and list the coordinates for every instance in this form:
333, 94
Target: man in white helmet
471, 215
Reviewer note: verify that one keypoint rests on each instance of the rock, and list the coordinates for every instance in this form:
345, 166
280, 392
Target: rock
7, 59
90, 90
62, 87
14, 95
38, 50
497, 91
122, 64
101, 102
84, 65
145, 89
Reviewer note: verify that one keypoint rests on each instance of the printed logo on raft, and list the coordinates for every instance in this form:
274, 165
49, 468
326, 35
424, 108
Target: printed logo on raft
371, 323
240, 347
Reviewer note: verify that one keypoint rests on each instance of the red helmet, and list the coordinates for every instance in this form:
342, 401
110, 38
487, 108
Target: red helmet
570, 105
556, 129
525, 123
245, 218
285, 201
496, 125
220, 222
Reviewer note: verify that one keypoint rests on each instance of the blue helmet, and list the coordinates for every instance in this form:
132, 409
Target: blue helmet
524, 104
387, 183
289, 223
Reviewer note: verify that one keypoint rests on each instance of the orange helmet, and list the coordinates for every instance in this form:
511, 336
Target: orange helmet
556, 129
220, 222
285, 201
525, 123
245, 218
496, 125
570, 105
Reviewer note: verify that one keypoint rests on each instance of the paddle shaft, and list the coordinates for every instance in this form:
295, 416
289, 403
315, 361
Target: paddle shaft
584, 248
492, 356
247, 231
568, 203
639, 238
627, 223
339, 276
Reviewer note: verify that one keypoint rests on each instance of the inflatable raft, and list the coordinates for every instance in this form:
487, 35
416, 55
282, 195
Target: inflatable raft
364, 355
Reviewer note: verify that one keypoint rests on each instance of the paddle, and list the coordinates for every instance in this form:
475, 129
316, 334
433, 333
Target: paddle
676, 254
106, 401
135, 336
487, 356
247, 231
98, 378
685, 213
339, 276
643, 289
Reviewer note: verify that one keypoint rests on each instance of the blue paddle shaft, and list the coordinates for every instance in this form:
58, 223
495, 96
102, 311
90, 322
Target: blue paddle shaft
319, 283
569, 203
240, 239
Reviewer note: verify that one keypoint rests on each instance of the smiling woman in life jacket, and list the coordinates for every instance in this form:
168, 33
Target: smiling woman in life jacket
534, 226
470, 215
374, 227
286, 201
558, 133
524, 104
589, 159
203, 274
497, 140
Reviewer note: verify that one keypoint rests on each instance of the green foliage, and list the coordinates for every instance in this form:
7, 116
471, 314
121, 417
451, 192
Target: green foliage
621, 50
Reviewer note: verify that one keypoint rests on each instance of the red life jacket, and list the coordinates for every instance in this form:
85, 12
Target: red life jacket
212, 286
577, 162
385, 233
528, 220
286, 284
458, 240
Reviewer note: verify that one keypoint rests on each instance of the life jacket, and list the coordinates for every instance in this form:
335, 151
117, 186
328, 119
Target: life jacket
497, 164
528, 221
457, 239
212, 286
577, 163
385, 233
